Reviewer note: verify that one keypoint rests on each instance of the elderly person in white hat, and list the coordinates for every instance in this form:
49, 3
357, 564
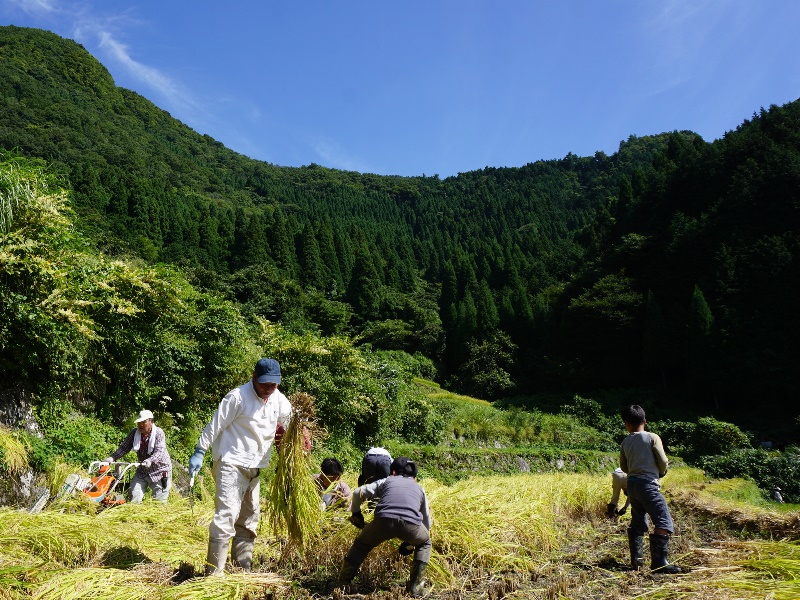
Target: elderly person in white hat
150, 445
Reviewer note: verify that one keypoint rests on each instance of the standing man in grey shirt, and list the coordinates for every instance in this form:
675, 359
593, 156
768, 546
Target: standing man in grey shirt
643, 458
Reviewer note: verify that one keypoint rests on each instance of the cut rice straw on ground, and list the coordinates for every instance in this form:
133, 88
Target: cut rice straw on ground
523, 536
493, 524
231, 587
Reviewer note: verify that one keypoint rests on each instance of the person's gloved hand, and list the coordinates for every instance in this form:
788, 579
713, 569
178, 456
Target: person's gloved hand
108, 460
196, 460
611, 511
405, 549
146, 463
357, 519
622, 510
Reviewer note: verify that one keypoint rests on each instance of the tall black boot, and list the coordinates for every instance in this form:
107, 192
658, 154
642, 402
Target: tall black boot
347, 572
416, 584
636, 544
658, 555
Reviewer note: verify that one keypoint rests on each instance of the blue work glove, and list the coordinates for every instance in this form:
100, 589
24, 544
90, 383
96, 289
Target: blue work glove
196, 461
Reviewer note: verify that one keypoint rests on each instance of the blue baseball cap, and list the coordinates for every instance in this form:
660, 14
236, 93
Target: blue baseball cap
267, 370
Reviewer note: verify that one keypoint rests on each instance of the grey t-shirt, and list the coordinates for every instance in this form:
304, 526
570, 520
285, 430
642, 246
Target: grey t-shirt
642, 455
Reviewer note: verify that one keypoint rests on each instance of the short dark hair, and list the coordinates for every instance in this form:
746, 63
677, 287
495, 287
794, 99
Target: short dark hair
402, 465
331, 466
633, 414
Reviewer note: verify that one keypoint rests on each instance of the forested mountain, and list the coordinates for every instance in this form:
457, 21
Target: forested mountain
671, 263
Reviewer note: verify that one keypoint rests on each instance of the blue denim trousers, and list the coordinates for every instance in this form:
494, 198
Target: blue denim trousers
647, 500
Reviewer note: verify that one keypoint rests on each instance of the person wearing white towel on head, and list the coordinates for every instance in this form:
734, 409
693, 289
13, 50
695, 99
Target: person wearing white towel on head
155, 469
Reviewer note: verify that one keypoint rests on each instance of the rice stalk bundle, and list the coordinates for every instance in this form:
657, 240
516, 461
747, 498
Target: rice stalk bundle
232, 586
778, 560
490, 524
294, 497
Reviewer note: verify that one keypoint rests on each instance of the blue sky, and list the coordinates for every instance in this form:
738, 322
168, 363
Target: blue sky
438, 86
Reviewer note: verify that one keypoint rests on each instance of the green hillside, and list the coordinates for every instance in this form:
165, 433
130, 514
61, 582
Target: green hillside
670, 266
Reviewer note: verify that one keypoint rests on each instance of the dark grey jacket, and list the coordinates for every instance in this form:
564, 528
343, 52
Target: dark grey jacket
400, 498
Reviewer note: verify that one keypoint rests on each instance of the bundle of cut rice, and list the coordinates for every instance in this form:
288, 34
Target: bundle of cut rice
295, 501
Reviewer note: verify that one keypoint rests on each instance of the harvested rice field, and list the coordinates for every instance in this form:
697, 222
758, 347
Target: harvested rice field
539, 536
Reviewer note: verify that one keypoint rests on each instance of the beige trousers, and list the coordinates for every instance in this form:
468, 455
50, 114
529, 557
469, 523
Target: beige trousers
237, 502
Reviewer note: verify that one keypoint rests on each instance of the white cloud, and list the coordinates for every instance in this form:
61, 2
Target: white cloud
150, 76
35, 8
331, 155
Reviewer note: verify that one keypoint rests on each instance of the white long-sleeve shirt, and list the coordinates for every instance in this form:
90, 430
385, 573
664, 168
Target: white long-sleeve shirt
242, 430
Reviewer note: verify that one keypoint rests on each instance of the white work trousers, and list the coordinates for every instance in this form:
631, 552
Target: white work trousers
237, 502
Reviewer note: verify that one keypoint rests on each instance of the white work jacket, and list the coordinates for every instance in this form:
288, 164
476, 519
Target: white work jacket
242, 430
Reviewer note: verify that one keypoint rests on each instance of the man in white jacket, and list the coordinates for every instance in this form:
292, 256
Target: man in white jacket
241, 434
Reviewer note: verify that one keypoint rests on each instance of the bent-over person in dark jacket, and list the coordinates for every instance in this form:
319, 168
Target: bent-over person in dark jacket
401, 513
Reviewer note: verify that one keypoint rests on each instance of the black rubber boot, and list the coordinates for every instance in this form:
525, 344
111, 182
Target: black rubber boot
658, 555
416, 584
347, 572
636, 544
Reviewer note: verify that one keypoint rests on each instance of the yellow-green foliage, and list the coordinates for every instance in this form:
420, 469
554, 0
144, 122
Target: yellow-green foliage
474, 421
13, 451
682, 477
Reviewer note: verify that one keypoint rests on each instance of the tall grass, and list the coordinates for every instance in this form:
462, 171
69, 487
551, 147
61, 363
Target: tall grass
18, 185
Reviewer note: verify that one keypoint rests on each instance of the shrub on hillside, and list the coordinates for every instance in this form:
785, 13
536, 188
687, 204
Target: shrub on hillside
352, 394
766, 469
707, 437
77, 440
590, 413
411, 365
